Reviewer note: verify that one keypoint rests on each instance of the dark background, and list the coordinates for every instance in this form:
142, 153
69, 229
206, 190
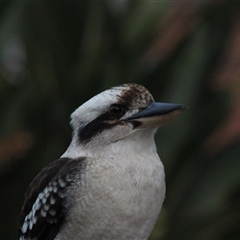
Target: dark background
54, 55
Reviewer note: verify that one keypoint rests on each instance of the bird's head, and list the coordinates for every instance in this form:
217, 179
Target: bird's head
118, 113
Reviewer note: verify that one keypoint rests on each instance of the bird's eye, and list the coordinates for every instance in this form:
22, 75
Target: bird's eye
117, 111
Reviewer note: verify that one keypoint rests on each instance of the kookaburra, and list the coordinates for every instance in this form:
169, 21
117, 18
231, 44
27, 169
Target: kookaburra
109, 184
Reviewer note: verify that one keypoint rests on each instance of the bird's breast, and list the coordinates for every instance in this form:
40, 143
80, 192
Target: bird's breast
119, 197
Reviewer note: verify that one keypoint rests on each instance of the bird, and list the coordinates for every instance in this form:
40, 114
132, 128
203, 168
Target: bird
110, 182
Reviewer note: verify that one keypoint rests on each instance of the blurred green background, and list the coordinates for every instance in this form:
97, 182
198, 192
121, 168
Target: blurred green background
54, 55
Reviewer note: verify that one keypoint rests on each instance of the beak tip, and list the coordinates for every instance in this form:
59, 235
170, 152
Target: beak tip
183, 107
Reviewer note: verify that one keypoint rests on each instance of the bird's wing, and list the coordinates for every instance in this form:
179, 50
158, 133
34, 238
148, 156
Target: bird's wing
43, 211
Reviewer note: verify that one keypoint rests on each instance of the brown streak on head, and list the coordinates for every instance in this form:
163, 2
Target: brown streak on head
134, 95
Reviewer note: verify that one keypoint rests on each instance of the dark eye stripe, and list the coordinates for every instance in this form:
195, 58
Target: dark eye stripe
95, 127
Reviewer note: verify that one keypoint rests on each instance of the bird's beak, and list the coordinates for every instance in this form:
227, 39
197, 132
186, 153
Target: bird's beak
156, 114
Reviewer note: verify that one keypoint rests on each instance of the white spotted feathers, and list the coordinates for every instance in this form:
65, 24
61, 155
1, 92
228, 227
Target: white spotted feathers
47, 201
